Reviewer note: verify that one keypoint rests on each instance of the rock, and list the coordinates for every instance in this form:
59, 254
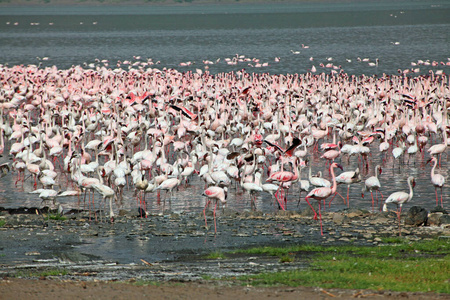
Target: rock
286, 213
433, 219
444, 219
339, 218
123, 212
416, 216
307, 211
438, 209
354, 213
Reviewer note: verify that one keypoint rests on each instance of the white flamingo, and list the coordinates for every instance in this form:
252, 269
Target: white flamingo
436, 179
323, 193
373, 184
400, 198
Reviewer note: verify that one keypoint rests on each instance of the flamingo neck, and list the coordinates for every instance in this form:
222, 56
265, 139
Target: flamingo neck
434, 167
334, 187
411, 193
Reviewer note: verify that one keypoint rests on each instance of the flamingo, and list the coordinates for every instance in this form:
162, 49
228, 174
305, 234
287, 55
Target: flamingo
436, 179
107, 193
331, 154
400, 198
169, 185
4, 169
322, 193
284, 177
397, 152
318, 181
373, 184
218, 194
348, 178
252, 188
438, 149
267, 187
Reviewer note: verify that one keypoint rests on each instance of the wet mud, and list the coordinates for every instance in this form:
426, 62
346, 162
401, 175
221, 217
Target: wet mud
174, 246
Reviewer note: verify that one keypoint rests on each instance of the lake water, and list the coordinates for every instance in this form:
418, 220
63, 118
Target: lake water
345, 35
397, 33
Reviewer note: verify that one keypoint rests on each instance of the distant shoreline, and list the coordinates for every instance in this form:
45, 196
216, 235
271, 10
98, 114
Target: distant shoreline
31, 3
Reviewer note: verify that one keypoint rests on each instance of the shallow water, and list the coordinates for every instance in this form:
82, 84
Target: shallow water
338, 34
189, 198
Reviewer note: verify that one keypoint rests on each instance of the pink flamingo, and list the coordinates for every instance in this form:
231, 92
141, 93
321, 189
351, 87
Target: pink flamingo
331, 154
283, 177
438, 149
169, 185
348, 178
218, 194
373, 184
436, 179
323, 192
400, 198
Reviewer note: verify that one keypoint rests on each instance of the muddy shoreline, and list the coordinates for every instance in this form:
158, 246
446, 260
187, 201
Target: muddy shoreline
172, 247
36, 241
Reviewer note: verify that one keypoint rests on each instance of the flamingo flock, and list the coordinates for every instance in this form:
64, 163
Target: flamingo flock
108, 130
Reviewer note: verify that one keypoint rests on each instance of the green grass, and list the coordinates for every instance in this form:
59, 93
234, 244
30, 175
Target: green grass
286, 259
215, 255
398, 249
56, 216
365, 273
398, 265
2, 223
144, 283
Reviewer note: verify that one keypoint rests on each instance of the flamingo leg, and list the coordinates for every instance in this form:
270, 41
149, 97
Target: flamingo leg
214, 214
348, 191
320, 217
204, 212
335, 196
299, 198
373, 202
280, 204
315, 213
435, 191
399, 212
145, 204
329, 203
382, 198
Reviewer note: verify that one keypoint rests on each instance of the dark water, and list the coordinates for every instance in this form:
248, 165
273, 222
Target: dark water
396, 33
171, 35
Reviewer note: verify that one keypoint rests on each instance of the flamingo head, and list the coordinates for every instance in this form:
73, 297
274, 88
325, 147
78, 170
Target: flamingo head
380, 171
413, 181
225, 189
337, 165
430, 160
